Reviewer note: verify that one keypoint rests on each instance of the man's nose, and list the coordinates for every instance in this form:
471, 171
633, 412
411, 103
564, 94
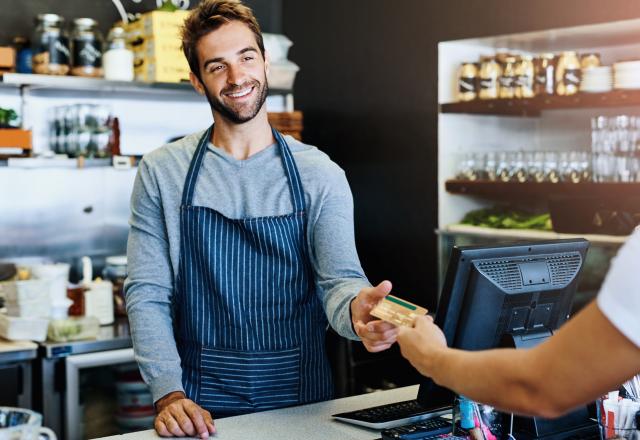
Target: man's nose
235, 75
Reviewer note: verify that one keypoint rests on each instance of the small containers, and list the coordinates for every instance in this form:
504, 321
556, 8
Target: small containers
490, 72
117, 60
467, 82
524, 77
544, 68
508, 78
568, 74
51, 54
86, 44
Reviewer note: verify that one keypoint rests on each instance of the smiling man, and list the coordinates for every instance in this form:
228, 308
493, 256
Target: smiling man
241, 249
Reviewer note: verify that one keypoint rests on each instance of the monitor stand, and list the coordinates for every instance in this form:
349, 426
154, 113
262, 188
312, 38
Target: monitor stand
574, 423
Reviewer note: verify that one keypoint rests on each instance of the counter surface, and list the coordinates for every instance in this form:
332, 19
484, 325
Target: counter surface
17, 350
308, 422
111, 337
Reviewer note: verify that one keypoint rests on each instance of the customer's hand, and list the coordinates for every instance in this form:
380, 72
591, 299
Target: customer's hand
181, 417
421, 342
376, 335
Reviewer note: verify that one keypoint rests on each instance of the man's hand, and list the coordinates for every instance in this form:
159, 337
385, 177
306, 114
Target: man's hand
421, 342
181, 417
376, 335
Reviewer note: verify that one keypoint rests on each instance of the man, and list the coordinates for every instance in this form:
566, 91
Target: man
241, 246
594, 352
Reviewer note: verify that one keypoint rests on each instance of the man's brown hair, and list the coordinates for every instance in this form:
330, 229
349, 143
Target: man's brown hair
208, 16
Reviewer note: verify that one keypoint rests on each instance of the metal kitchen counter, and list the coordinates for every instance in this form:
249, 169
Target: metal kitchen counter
308, 422
12, 351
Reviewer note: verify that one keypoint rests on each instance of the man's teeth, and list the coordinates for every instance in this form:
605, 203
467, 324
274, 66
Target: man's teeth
241, 93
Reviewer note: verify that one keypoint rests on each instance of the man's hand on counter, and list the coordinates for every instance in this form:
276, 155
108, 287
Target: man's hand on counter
181, 417
376, 335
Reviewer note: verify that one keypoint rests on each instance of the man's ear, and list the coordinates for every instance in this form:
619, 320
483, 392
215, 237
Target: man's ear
267, 61
195, 82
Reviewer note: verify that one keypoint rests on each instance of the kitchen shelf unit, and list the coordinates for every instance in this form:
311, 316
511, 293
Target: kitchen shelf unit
543, 123
54, 82
511, 190
536, 105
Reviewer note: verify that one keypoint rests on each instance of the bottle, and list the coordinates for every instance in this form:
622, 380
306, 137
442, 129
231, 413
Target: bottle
544, 67
508, 78
23, 55
467, 82
568, 74
86, 44
116, 272
524, 77
118, 60
490, 72
98, 295
50, 46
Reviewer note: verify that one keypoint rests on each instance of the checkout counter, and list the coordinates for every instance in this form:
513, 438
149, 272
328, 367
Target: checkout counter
308, 422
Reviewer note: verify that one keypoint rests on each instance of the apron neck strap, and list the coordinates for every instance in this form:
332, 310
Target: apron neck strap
290, 168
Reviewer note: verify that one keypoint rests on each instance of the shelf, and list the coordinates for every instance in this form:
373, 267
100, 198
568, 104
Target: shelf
527, 234
53, 82
534, 106
515, 190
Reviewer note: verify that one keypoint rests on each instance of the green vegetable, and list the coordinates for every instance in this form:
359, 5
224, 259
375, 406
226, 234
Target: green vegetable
506, 218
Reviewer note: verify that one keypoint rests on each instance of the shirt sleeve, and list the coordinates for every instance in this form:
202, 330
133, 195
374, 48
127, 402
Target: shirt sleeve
339, 275
619, 297
149, 287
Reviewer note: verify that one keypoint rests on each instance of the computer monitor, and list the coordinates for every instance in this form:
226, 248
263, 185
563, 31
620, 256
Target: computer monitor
509, 295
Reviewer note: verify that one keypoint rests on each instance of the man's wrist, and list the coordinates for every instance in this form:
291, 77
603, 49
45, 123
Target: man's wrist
167, 399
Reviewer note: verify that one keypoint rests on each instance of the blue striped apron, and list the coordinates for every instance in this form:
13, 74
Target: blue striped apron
249, 327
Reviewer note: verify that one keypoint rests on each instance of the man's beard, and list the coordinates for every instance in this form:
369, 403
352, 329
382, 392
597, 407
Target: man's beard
231, 114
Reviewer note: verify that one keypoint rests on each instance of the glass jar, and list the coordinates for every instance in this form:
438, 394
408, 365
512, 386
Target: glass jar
490, 72
508, 79
544, 68
524, 77
118, 60
86, 44
590, 60
50, 46
116, 272
568, 74
467, 82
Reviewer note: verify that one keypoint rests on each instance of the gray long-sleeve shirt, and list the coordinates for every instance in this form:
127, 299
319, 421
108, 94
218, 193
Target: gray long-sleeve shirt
255, 187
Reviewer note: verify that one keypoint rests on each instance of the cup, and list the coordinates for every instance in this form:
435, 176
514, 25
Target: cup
22, 424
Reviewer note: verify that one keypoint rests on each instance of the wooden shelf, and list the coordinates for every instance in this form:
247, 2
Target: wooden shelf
527, 234
511, 190
534, 106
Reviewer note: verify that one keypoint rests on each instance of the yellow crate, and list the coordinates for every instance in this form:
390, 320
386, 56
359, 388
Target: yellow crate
166, 52
161, 73
177, 62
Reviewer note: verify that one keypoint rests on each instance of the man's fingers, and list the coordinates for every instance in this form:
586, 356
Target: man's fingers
197, 419
208, 419
161, 428
172, 426
379, 326
380, 291
378, 348
183, 420
422, 321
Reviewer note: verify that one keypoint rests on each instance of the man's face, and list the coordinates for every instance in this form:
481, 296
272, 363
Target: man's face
233, 72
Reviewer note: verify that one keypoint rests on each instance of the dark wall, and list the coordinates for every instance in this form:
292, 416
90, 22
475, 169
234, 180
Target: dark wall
17, 17
368, 87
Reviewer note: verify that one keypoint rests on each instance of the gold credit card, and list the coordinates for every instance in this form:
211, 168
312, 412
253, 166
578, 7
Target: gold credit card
397, 311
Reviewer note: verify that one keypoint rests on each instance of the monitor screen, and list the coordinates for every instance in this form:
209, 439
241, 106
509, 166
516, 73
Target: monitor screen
505, 295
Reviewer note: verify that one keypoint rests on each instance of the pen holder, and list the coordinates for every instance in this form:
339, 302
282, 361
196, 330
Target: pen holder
618, 417
473, 420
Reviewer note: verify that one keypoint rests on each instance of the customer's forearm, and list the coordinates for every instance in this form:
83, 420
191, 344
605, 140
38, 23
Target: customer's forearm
506, 379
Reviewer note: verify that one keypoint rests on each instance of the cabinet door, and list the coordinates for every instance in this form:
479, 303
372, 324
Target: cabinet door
10, 384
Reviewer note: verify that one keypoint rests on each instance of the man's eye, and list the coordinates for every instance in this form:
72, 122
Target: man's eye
248, 58
216, 68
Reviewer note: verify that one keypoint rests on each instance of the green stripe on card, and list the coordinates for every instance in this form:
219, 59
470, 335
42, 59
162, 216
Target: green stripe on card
398, 301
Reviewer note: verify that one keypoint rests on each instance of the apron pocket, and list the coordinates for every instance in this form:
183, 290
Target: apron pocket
241, 381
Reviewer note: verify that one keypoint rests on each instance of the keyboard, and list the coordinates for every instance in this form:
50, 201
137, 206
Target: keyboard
427, 429
391, 415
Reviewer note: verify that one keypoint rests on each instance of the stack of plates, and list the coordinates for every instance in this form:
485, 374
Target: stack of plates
627, 75
596, 79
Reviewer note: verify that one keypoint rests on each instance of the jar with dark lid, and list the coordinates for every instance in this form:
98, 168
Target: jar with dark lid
86, 48
568, 74
545, 68
50, 46
490, 72
508, 79
524, 77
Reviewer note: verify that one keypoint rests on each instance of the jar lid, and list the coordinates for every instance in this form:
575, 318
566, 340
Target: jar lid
85, 22
49, 18
116, 33
117, 260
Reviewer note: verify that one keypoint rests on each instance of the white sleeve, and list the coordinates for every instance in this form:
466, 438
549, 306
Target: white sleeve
619, 297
